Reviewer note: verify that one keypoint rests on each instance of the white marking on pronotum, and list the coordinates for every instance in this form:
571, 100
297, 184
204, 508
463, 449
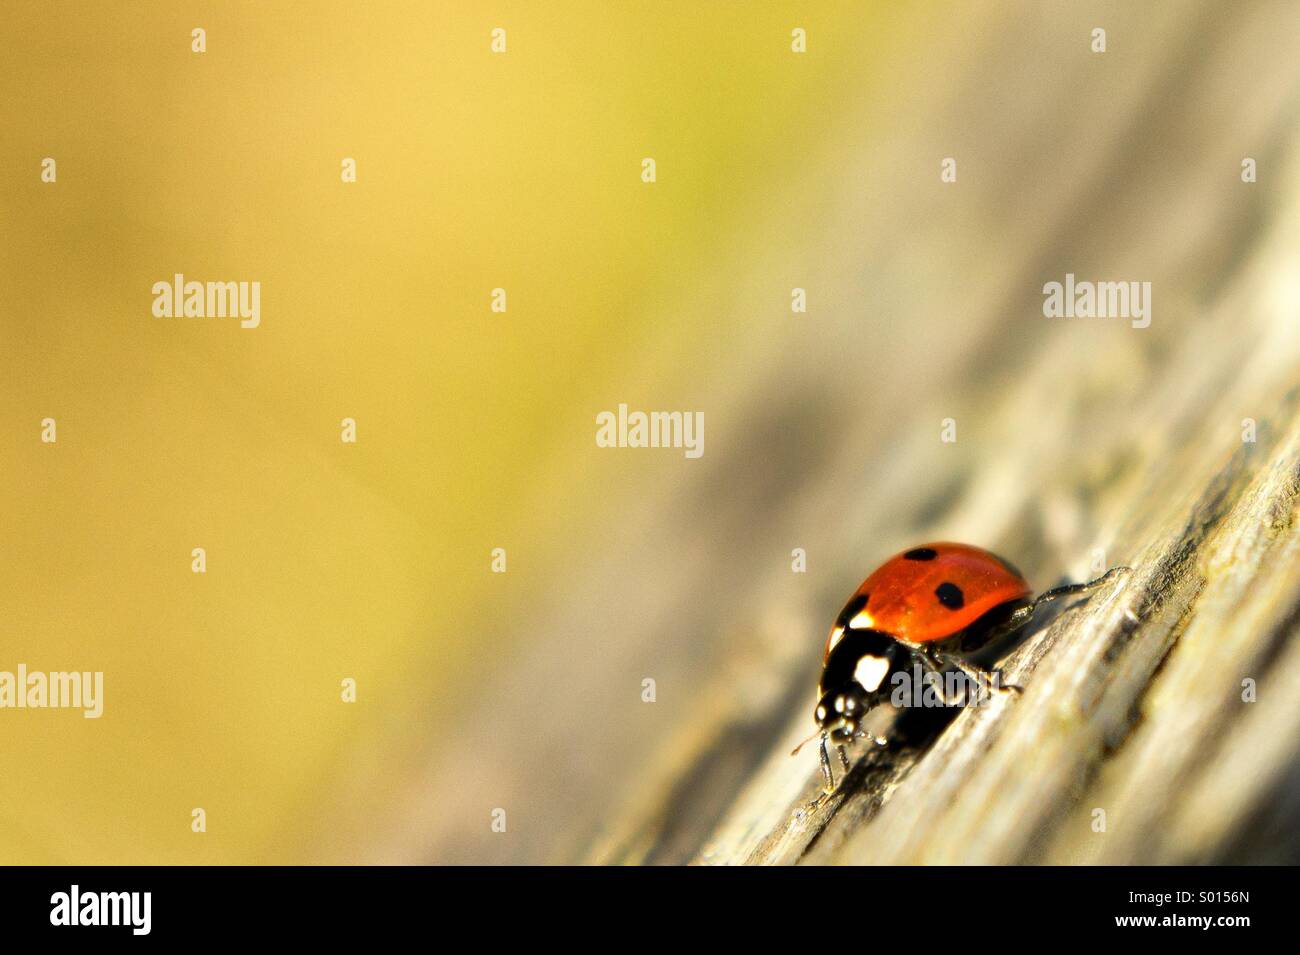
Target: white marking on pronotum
836, 636
870, 672
862, 621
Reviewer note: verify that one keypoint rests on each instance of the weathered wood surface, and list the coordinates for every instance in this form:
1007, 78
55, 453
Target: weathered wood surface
1074, 436
1134, 700
1133, 704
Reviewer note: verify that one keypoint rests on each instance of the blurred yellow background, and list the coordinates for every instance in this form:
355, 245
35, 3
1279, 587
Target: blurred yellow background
328, 560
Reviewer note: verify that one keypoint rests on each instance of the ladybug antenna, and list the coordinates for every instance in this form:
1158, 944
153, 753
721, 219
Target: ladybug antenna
795, 751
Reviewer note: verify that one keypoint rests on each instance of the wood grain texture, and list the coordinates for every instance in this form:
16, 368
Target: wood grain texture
1133, 704
1134, 699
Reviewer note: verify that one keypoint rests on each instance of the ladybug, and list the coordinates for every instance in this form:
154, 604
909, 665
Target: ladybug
926, 607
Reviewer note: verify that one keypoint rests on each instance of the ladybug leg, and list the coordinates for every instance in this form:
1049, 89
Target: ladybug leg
934, 661
828, 788
978, 675
1069, 590
981, 676
1021, 615
843, 753
1024, 613
826, 768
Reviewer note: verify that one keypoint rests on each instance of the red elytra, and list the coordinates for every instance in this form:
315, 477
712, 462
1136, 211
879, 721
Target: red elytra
932, 592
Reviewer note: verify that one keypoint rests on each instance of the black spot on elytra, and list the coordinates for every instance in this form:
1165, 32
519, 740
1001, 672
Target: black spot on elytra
851, 610
950, 596
921, 553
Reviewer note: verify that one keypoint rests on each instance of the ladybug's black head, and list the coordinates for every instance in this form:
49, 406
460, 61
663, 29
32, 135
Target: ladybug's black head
840, 711
855, 680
